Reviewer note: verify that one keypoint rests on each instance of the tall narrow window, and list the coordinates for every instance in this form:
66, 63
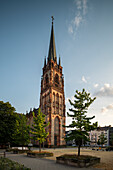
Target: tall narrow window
56, 79
47, 79
56, 126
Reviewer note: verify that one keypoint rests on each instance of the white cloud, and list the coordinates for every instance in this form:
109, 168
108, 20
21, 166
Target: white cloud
106, 90
70, 29
79, 17
110, 106
77, 20
85, 7
96, 85
78, 4
104, 110
84, 79
107, 108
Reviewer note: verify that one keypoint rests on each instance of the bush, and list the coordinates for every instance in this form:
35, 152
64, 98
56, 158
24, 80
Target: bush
39, 154
6, 164
109, 148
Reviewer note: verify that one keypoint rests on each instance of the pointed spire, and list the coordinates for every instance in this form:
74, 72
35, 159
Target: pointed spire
52, 48
59, 61
45, 62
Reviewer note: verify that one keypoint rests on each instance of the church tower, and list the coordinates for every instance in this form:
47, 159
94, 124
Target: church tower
52, 99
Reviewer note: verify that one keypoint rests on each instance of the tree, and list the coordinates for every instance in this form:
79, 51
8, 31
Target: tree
38, 128
111, 140
80, 122
102, 139
8, 118
21, 135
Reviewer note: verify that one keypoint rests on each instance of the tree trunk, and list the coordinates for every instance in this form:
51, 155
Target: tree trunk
78, 150
43, 145
22, 148
39, 147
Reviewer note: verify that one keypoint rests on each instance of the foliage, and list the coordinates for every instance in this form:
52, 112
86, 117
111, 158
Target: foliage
40, 154
111, 140
16, 151
21, 135
76, 157
6, 164
8, 118
81, 123
38, 128
109, 148
102, 139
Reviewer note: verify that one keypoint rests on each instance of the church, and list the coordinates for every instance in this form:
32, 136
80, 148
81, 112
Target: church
52, 98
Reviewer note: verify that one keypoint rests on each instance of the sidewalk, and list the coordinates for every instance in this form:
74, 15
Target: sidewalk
41, 164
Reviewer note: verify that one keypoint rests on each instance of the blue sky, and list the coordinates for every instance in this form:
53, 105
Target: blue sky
84, 40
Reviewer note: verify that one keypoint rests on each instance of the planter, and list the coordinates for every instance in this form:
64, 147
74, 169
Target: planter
81, 161
17, 151
39, 154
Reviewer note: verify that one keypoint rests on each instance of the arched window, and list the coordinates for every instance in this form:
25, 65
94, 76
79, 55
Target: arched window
47, 79
56, 79
56, 126
61, 100
57, 103
57, 98
54, 97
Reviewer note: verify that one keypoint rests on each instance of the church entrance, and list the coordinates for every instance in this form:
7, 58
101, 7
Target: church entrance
56, 132
55, 140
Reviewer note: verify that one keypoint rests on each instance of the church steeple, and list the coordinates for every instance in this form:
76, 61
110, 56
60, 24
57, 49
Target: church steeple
45, 62
59, 61
52, 98
52, 48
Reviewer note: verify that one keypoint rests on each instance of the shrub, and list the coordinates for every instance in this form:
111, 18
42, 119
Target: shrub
6, 164
39, 154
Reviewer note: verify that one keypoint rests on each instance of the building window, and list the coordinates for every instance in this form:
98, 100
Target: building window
56, 126
47, 79
56, 80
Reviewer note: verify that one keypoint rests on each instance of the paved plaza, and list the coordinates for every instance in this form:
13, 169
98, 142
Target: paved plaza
49, 163
41, 164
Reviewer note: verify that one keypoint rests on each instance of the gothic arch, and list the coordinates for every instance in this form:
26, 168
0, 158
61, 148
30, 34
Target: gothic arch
57, 97
46, 79
56, 131
56, 79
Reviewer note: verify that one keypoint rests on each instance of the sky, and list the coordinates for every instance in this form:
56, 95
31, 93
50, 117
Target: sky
84, 40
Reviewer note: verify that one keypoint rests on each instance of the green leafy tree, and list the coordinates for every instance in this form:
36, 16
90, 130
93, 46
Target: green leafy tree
81, 123
8, 118
21, 135
102, 139
111, 140
38, 128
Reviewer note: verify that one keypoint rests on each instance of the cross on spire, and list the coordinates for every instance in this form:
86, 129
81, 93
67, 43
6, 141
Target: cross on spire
52, 19
52, 49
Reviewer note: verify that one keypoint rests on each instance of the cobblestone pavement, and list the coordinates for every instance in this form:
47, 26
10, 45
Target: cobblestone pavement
41, 164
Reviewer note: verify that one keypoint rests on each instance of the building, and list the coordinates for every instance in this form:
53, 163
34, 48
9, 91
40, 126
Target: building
107, 131
52, 99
